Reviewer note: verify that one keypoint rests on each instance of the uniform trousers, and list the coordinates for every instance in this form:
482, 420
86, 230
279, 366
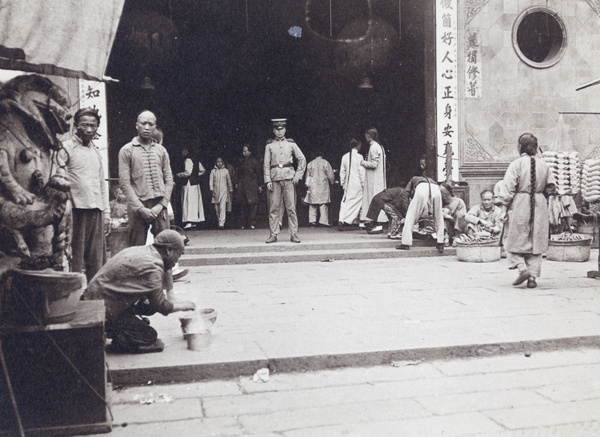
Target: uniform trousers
286, 191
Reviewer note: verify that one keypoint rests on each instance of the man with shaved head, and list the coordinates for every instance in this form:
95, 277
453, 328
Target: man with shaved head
146, 179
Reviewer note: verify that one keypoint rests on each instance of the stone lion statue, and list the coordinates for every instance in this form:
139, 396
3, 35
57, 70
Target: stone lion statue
34, 192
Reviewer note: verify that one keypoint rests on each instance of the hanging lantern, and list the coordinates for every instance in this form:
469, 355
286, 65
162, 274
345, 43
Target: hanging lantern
362, 47
151, 40
147, 84
371, 54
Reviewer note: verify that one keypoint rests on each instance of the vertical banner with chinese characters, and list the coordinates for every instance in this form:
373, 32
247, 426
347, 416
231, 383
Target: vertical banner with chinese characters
93, 95
472, 66
447, 89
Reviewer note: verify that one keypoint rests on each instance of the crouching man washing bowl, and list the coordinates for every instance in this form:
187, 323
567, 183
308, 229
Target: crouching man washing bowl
131, 284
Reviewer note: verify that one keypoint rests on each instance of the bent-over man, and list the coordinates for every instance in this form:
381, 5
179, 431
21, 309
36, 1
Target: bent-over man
131, 284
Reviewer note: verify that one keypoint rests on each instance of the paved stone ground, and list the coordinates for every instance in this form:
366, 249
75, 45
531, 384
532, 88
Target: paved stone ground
330, 331
546, 394
316, 315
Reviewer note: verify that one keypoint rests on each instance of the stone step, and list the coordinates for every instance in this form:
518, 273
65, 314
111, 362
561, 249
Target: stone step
294, 254
284, 245
236, 246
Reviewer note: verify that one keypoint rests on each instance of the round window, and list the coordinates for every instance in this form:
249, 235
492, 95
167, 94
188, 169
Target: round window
539, 37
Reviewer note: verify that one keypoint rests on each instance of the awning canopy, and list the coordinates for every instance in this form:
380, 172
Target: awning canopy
71, 38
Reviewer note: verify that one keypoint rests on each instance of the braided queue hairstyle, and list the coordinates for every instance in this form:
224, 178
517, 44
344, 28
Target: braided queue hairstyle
528, 144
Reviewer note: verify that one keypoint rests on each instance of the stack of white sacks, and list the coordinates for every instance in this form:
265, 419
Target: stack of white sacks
590, 181
565, 167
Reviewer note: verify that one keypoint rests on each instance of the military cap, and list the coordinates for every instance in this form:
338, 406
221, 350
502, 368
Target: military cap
279, 123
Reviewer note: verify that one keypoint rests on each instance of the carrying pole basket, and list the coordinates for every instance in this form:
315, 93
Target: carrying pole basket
477, 252
570, 251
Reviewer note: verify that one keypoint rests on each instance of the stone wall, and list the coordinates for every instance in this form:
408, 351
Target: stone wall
511, 97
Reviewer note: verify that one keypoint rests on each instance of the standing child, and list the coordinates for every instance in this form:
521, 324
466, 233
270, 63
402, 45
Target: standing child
221, 189
319, 176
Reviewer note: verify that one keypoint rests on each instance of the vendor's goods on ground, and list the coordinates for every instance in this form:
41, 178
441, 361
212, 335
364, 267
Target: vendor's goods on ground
568, 247
480, 247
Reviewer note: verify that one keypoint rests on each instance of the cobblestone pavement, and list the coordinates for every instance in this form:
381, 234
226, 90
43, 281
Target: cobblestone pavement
544, 394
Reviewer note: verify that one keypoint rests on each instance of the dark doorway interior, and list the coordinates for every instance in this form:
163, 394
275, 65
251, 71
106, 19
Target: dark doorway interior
221, 69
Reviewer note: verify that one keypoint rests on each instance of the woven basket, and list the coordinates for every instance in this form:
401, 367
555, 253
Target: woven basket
478, 253
588, 229
569, 251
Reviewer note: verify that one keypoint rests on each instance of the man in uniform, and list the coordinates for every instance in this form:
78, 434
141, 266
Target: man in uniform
281, 179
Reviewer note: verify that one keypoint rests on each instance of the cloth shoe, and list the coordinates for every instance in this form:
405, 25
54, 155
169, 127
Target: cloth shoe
531, 282
375, 230
403, 247
294, 239
252, 227
312, 225
340, 226
115, 347
325, 225
395, 237
187, 226
523, 276
271, 239
440, 247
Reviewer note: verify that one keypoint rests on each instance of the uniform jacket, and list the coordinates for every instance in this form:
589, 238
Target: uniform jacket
279, 157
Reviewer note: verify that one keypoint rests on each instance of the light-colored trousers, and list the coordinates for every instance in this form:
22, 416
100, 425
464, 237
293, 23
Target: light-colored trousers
323, 213
287, 191
427, 200
526, 261
221, 210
